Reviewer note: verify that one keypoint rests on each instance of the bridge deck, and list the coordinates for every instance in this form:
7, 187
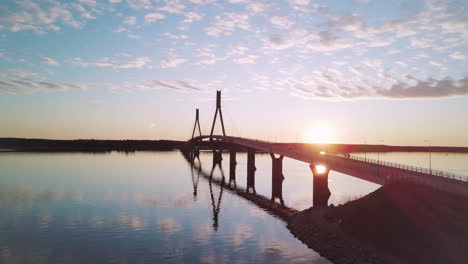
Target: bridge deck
366, 169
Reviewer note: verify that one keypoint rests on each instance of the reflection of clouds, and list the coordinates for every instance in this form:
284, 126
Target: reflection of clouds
257, 212
20, 195
143, 199
5, 252
133, 222
289, 253
97, 221
78, 196
203, 233
137, 198
44, 221
241, 233
183, 202
169, 226
213, 259
272, 249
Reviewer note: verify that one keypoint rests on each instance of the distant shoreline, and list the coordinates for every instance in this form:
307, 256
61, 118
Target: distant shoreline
85, 145
98, 145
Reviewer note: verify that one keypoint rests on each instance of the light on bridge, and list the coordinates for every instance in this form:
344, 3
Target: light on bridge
320, 168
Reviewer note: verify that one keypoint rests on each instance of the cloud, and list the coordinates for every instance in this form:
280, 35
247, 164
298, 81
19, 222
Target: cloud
457, 27
281, 22
228, 22
29, 16
139, 4
139, 62
301, 2
49, 61
250, 59
171, 62
130, 20
173, 7
332, 84
430, 88
457, 55
202, 2
123, 61
191, 17
13, 85
88, 2
177, 85
152, 17
169, 35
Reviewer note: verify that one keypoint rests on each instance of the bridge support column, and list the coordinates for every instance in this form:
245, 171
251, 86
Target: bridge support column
195, 153
321, 193
217, 157
251, 169
232, 166
277, 178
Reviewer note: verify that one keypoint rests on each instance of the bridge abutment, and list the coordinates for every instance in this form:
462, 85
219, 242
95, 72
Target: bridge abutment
251, 169
321, 192
277, 178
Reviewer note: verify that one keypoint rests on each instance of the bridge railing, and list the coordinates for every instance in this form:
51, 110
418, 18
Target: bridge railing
405, 167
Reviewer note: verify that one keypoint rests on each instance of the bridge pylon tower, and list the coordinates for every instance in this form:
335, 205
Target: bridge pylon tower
197, 123
218, 109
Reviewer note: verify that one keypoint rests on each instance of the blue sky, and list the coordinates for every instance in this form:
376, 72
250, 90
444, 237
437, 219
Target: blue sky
367, 70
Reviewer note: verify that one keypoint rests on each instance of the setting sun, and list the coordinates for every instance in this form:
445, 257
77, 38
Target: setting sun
320, 133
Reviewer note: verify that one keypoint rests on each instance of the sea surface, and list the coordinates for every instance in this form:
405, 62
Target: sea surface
153, 207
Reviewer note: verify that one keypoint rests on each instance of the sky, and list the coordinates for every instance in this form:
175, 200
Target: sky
362, 71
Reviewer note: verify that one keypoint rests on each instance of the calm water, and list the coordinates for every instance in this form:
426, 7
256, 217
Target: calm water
449, 162
140, 208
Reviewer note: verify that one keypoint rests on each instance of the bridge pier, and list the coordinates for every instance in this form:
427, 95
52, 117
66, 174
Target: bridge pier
217, 157
196, 152
321, 192
251, 169
232, 166
277, 178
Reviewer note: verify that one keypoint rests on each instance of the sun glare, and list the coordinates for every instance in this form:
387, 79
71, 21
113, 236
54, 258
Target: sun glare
321, 133
320, 168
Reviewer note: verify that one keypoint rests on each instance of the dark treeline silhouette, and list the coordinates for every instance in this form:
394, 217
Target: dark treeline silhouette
96, 145
85, 145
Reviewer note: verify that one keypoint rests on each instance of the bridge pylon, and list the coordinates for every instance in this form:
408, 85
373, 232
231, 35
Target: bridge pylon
197, 123
218, 109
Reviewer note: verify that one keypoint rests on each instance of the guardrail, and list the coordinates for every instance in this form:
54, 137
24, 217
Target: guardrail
405, 167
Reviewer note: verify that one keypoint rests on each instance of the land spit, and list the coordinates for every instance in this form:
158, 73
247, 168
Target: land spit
398, 223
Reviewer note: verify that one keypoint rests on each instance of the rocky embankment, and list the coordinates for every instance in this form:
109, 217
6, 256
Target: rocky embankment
398, 223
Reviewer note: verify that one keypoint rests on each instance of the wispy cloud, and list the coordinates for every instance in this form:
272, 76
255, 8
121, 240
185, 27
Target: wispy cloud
225, 24
120, 62
49, 61
28, 86
152, 17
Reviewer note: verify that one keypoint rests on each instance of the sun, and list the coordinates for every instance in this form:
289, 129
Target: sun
320, 133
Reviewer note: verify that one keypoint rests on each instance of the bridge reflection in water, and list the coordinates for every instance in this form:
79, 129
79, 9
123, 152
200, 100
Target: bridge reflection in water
274, 204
